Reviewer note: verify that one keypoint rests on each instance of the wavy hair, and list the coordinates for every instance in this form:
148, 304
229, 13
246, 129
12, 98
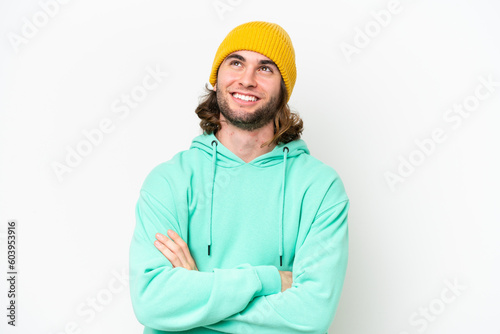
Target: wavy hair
288, 125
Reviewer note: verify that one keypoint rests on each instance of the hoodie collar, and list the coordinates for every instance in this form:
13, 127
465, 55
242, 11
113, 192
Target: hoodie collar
226, 158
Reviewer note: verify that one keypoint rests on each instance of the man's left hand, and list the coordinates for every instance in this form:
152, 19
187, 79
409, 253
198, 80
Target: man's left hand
175, 250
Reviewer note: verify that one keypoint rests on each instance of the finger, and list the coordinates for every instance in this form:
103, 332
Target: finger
187, 253
175, 249
188, 259
171, 250
174, 260
179, 251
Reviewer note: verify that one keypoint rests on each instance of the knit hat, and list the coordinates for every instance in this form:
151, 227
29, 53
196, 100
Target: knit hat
268, 39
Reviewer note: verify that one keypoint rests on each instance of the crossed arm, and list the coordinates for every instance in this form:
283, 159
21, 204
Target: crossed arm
241, 299
177, 252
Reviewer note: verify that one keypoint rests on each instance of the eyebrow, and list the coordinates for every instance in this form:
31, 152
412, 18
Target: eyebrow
261, 62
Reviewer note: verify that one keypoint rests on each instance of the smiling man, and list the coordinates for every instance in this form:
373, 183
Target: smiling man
245, 232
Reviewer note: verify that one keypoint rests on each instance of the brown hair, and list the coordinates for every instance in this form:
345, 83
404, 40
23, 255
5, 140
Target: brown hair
288, 125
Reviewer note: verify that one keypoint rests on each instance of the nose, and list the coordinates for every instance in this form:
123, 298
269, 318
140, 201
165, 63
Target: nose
247, 78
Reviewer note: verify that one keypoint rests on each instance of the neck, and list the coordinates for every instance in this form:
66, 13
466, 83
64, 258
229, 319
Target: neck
245, 144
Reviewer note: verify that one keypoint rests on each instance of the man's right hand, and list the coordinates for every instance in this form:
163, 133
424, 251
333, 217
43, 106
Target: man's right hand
286, 280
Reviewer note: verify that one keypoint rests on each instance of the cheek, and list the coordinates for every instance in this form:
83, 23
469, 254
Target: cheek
225, 79
274, 87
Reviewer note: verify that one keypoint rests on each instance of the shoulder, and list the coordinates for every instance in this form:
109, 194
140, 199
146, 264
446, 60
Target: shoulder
321, 179
315, 169
172, 172
308, 164
319, 166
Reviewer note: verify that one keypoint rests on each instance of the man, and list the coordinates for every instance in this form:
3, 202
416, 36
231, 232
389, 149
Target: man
245, 232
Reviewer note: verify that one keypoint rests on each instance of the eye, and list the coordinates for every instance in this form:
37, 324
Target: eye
235, 63
266, 69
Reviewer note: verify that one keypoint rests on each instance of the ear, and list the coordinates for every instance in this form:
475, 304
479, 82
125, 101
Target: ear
215, 87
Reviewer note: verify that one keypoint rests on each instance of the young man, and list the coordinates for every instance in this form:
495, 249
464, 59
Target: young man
245, 232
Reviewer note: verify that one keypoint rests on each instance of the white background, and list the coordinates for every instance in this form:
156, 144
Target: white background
362, 114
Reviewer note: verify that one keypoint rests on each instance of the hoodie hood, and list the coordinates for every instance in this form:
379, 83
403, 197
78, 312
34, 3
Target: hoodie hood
222, 156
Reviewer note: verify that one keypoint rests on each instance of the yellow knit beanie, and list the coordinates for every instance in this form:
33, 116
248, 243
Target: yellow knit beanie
268, 39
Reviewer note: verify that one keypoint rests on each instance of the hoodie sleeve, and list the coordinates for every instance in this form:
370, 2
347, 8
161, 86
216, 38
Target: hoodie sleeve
175, 299
318, 276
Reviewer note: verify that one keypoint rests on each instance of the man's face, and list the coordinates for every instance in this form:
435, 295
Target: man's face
248, 88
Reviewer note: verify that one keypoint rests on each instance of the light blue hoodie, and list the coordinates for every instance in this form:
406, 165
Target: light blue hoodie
285, 210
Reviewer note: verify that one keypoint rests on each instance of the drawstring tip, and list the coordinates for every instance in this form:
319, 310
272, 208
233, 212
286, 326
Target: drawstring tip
208, 249
281, 261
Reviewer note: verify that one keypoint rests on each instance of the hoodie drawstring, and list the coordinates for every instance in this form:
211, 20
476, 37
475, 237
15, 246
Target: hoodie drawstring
280, 232
214, 160
282, 207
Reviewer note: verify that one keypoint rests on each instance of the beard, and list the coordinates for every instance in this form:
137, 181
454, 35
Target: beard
248, 121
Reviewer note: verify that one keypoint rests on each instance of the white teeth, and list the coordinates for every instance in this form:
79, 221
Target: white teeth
245, 97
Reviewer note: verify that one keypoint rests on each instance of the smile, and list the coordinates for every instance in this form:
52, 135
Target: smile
248, 98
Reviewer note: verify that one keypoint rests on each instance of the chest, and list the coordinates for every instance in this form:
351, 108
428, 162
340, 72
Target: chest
241, 220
